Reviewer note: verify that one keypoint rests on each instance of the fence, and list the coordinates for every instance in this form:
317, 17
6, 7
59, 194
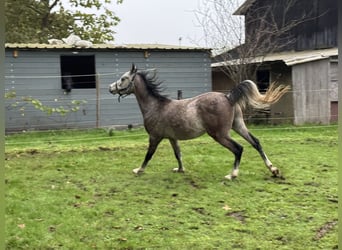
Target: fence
53, 106
95, 107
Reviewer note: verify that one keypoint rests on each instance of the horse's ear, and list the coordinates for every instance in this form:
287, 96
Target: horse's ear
134, 69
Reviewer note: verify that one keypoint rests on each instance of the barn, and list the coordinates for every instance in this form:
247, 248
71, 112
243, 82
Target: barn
312, 76
308, 64
62, 86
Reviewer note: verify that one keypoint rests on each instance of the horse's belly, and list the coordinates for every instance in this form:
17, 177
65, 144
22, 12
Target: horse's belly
190, 135
185, 130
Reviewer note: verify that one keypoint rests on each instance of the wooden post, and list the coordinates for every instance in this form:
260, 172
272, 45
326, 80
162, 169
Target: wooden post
179, 94
97, 101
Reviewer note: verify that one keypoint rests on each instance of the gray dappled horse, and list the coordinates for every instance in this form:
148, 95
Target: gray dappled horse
213, 113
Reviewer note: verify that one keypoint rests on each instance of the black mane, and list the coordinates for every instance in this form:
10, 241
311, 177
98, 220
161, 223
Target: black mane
153, 85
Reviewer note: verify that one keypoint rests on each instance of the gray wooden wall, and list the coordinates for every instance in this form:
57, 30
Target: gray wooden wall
333, 83
37, 73
312, 91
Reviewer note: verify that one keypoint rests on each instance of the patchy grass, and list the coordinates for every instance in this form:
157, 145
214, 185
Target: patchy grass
75, 190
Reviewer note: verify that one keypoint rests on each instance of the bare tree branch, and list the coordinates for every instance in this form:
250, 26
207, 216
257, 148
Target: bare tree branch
53, 4
266, 33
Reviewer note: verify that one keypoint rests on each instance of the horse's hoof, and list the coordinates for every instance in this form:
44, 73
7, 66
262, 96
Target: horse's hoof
138, 171
230, 177
177, 170
275, 171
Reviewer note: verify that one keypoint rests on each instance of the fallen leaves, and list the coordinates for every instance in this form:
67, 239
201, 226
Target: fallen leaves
138, 228
226, 207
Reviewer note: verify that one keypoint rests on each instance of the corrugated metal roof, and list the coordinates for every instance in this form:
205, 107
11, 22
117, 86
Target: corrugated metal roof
289, 58
102, 46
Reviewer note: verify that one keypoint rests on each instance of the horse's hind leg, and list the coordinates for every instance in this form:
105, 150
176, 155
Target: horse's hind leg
178, 156
235, 148
239, 126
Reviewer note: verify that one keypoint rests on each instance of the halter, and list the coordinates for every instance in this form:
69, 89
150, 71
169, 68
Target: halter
127, 89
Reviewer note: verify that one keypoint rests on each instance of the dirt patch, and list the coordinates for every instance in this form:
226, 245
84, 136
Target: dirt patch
326, 228
194, 184
239, 215
33, 151
104, 148
201, 210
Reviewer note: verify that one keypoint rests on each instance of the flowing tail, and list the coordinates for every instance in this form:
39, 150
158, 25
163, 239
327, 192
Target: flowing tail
247, 93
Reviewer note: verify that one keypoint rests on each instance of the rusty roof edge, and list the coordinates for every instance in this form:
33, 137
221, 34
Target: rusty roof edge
243, 8
103, 46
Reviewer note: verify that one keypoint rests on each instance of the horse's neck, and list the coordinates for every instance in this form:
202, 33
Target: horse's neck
147, 103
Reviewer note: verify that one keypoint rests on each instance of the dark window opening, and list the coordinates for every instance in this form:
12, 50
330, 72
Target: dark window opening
78, 72
263, 80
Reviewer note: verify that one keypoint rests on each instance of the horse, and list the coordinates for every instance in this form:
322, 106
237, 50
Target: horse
214, 113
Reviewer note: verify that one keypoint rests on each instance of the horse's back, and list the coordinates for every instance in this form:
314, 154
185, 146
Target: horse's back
216, 111
189, 118
210, 103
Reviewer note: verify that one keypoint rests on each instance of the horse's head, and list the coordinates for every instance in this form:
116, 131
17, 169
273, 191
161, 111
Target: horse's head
125, 85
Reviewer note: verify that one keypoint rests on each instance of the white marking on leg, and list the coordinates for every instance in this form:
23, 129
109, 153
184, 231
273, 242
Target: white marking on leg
138, 170
233, 175
235, 172
228, 177
274, 170
268, 163
176, 170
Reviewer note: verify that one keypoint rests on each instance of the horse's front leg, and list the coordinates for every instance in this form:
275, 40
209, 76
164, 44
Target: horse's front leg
178, 156
153, 144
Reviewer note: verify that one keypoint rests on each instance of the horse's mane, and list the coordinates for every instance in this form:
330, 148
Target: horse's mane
153, 85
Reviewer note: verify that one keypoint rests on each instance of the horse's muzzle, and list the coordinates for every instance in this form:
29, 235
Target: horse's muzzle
113, 89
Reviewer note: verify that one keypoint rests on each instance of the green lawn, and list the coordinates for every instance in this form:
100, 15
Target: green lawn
76, 190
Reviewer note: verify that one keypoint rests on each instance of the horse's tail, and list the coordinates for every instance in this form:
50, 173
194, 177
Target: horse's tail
247, 93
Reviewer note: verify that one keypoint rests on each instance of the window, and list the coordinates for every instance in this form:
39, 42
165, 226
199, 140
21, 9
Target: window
78, 72
263, 80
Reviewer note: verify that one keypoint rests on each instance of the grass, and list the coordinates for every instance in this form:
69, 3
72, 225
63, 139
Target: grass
75, 190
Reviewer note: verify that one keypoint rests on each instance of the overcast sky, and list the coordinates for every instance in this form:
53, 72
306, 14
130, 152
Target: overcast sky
171, 22
158, 21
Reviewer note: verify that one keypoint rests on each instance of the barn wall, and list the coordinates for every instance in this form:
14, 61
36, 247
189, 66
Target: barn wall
282, 111
186, 71
311, 92
37, 73
316, 22
333, 83
221, 82
333, 89
320, 31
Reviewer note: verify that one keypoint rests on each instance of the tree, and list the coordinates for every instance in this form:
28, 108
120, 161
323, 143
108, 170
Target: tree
21, 103
242, 42
33, 21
